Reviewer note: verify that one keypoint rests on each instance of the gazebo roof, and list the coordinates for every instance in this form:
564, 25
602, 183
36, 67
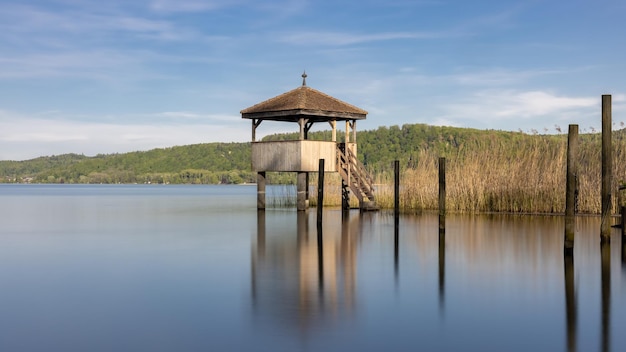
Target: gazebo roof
303, 102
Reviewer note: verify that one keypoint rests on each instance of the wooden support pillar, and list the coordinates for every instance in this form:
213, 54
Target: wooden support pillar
333, 124
301, 200
255, 124
301, 123
347, 133
353, 131
607, 169
345, 197
571, 189
260, 190
307, 127
253, 130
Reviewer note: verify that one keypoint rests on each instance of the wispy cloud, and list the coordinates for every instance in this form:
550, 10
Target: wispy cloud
501, 76
24, 137
91, 64
500, 108
345, 38
191, 5
30, 22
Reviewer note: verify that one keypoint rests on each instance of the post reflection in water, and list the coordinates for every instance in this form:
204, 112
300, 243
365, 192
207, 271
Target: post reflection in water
300, 282
488, 270
605, 258
396, 246
571, 309
442, 270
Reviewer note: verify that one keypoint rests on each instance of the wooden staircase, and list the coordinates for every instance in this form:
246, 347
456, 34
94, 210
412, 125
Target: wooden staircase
356, 178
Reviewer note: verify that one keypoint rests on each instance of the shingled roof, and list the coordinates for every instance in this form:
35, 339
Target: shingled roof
303, 102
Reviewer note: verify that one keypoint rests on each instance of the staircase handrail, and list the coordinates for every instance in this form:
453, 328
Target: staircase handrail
360, 168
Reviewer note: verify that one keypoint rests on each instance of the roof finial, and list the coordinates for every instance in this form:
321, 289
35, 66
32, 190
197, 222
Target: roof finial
304, 78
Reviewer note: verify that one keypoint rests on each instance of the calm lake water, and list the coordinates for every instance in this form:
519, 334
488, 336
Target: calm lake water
196, 268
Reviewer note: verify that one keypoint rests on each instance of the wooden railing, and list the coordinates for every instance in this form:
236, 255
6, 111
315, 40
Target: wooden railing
355, 176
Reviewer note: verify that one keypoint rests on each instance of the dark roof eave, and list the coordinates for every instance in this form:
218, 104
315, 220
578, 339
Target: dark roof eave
295, 115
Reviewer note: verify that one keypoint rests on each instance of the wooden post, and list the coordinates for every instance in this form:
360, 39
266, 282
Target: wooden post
442, 229
260, 190
301, 189
320, 194
396, 188
347, 134
396, 215
333, 124
442, 196
571, 189
607, 169
307, 191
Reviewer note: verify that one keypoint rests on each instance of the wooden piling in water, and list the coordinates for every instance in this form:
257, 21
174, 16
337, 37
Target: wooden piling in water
396, 215
396, 190
607, 169
442, 196
571, 189
320, 194
260, 190
301, 189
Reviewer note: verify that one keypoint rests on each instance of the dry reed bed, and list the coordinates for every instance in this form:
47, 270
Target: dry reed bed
524, 176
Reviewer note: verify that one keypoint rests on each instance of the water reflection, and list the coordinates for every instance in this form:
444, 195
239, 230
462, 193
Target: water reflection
571, 304
442, 269
489, 273
299, 281
605, 258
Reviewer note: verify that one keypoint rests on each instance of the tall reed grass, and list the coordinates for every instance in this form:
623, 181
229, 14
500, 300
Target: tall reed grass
524, 175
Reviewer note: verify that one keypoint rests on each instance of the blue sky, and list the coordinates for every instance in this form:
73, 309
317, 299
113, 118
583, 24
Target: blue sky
116, 76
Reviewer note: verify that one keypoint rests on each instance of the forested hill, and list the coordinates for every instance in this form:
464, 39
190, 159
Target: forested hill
230, 162
197, 163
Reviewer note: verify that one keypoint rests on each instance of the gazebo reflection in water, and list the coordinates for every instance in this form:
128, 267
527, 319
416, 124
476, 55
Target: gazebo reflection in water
295, 281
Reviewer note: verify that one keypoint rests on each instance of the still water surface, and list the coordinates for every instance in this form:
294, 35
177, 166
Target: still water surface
197, 268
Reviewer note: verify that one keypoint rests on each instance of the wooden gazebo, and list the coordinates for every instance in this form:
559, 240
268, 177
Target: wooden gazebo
306, 106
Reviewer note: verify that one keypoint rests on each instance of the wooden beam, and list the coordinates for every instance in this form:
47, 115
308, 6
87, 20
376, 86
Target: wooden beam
301, 123
307, 126
255, 124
